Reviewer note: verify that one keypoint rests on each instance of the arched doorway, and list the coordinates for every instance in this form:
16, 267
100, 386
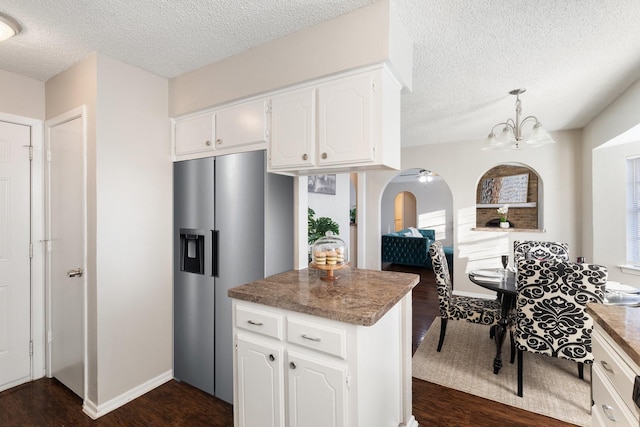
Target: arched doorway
404, 210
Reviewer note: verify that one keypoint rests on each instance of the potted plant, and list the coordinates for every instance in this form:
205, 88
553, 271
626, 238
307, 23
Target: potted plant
503, 211
317, 227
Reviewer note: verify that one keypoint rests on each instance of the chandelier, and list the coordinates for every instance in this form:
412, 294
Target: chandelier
512, 136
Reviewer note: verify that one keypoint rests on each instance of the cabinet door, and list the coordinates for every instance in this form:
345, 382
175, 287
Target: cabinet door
317, 392
293, 130
195, 134
345, 121
260, 383
242, 124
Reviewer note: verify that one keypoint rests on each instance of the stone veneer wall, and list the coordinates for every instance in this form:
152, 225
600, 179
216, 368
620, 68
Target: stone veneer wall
526, 218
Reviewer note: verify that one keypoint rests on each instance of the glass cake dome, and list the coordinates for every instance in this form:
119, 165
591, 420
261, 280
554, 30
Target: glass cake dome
329, 252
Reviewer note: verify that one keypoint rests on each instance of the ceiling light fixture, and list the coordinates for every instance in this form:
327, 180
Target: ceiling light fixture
512, 135
9, 27
425, 176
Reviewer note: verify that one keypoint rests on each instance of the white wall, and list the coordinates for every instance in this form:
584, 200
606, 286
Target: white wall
134, 206
434, 204
70, 89
335, 206
605, 200
462, 165
129, 221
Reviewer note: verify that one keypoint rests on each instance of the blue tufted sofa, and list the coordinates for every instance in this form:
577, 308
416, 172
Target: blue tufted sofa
401, 248
398, 248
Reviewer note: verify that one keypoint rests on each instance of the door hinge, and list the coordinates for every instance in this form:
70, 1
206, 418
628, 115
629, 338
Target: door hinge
30, 348
48, 155
30, 147
49, 336
30, 250
348, 379
267, 108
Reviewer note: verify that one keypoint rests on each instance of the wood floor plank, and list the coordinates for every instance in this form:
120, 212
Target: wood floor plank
46, 402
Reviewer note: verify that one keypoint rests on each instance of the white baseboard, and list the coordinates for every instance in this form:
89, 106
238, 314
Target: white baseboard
96, 411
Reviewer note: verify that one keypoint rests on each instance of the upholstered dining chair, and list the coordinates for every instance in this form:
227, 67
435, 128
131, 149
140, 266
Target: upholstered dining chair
456, 307
550, 310
523, 249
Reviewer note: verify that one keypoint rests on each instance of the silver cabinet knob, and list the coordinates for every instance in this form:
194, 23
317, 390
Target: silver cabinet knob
218, 141
76, 272
207, 143
292, 365
305, 157
272, 357
324, 155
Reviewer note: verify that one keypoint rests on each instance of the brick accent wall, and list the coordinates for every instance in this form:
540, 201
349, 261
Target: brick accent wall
519, 217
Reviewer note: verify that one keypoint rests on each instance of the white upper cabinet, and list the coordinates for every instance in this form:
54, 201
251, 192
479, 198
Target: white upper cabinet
338, 125
242, 124
293, 129
223, 130
334, 125
345, 114
195, 134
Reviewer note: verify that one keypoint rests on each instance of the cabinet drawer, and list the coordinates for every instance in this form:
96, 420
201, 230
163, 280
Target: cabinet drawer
608, 407
613, 368
259, 321
317, 336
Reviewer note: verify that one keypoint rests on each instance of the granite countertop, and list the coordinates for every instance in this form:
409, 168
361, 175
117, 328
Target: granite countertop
622, 324
359, 296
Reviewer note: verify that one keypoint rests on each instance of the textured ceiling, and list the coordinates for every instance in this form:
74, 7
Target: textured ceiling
573, 56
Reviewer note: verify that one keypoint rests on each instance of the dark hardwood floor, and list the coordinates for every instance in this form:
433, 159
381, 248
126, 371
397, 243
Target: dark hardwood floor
46, 402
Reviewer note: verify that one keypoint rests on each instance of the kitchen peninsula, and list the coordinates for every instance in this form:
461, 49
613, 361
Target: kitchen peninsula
323, 353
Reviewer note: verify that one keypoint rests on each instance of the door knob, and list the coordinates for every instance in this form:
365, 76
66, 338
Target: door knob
76, 272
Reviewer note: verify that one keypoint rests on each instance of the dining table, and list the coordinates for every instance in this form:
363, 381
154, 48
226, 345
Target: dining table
503, 282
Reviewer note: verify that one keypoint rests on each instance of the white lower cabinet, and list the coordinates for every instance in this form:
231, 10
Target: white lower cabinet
613, 375
296, 370
316, 392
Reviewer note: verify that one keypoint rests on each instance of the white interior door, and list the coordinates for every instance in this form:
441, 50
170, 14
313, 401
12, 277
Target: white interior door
15, 230
66, 252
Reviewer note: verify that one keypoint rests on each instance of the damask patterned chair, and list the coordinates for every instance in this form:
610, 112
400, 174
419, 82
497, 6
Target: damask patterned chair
550, 310
455, 307
540, 250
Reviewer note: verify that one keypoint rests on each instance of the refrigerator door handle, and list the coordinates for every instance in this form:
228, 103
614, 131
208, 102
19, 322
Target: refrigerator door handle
215, 243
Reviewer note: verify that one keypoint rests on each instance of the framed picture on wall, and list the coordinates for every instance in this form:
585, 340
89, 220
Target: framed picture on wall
323, 184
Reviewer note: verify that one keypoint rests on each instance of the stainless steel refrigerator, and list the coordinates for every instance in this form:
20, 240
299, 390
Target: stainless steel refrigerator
227, 211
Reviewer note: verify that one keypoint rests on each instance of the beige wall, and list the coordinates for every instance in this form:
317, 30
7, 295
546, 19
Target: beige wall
462, 165
129, 221
362, 37
21, 96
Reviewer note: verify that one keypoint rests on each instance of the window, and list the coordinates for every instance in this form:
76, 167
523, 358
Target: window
633, 210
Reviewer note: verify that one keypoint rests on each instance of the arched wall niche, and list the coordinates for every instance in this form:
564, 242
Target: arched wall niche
504, 185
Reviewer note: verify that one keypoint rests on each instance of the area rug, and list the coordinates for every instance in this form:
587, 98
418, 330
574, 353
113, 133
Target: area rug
551, 385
